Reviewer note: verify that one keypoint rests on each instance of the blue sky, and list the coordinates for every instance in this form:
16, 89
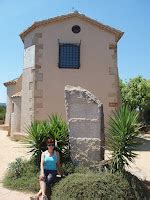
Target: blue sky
130, 16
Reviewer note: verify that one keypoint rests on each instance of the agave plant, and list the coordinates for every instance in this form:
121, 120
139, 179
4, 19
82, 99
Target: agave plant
58, 128
123, 129
35, 139
38, 132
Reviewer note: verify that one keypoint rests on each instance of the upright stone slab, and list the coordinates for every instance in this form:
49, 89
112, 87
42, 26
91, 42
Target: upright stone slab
86, 126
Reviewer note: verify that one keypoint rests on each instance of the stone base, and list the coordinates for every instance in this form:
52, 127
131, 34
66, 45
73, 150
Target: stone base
4, 127
1, 122
17, 136
86, 151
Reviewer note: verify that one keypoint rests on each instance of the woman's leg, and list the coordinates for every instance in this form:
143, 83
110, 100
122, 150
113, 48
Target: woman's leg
51, 177
39, 193
43, 187
37, 196
50, 180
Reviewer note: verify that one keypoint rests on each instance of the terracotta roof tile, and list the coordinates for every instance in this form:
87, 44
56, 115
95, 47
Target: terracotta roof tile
107, 28
12, 82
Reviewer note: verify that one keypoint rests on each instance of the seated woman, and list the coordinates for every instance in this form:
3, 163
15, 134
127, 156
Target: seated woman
50, 167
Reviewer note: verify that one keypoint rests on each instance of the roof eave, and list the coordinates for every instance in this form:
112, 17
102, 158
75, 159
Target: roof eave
18, 94
107, 28
12, 82
119, 36
6, 84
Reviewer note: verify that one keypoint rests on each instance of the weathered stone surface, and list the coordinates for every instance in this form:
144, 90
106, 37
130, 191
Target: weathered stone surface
38, 35
29, 57
39, 76
113, 104
112, 94
112, 70
112, 46
85, 150
38, 93
86, 126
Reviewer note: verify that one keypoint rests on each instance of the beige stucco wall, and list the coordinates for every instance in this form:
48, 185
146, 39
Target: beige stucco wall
11, 90
16, 115
97, 73
27, 98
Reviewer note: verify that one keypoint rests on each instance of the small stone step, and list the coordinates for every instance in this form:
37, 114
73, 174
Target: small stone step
18, 136
4, 127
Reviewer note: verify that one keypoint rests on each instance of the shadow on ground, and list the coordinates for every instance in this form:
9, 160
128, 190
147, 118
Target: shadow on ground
145, 144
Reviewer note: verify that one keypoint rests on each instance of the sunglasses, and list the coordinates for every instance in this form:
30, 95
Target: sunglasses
50, 145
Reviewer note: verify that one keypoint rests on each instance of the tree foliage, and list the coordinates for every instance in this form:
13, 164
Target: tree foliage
136, 94
2, 112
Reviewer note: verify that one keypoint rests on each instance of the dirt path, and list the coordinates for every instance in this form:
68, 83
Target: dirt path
9, 151
141, 166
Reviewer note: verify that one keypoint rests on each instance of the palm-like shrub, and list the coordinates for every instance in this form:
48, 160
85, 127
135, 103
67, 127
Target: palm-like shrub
123, 129
36, 139
39, 131
58, 128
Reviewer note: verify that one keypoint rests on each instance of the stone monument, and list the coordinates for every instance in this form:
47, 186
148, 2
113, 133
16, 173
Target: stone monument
86, 126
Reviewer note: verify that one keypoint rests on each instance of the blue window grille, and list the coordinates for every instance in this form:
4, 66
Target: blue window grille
69, 56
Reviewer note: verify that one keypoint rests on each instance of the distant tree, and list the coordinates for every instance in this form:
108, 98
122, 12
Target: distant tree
2, 112
136, 94
123, 88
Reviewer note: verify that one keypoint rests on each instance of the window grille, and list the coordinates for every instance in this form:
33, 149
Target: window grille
69, 55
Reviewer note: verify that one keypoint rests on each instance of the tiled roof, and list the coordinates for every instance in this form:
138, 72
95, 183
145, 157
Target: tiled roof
18, 94
12, 82
107, 28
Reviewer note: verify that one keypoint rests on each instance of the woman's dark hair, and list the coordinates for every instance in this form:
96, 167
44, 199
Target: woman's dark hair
51, 138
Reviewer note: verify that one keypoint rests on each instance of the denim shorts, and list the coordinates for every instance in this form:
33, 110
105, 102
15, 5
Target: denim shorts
50, 176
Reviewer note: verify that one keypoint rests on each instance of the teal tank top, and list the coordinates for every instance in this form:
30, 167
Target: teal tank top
50, 162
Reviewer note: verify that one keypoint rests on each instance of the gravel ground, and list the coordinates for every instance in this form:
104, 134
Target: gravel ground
10, 150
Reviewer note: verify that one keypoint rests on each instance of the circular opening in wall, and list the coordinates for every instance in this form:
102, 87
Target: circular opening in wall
76, 29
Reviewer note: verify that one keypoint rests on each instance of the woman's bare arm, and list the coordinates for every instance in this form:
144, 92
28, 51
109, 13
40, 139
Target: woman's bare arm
42, 165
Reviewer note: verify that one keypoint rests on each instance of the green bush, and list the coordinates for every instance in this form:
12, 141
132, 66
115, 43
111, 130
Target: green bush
104, 186
84, 170
22, 175
82, 183
16, 168
68, 168
38, 132
137, 186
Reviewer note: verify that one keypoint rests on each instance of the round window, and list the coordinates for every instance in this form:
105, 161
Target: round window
76, 29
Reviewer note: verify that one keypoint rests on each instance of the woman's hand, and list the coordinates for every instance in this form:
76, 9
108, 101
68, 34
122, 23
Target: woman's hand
42, 177
60, 173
